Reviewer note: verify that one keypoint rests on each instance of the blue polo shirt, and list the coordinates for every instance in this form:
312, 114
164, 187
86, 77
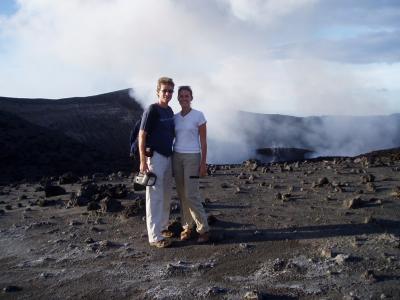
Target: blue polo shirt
158, 123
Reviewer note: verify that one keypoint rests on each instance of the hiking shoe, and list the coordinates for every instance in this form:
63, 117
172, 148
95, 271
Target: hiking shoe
186, 234
167, 233
161, 244
203, 238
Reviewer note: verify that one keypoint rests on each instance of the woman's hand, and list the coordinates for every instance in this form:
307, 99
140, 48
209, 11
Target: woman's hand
203, 170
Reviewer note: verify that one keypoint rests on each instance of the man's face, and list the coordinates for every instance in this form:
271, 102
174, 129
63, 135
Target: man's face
165, 93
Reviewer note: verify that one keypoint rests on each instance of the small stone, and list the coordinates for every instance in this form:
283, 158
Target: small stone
371, 187
327, 253
105, 244
109, 204
89, 240
369, 220
12, 289
369, 276
244, 245
45, 202
74, 223
213, 291
279, 264
323, 181
340, 259
92, 205
253, 295
53, 190
254, 167
352, 203
45, 275
367, 178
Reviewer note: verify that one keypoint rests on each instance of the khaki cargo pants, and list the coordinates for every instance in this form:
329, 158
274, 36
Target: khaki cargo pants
186, 171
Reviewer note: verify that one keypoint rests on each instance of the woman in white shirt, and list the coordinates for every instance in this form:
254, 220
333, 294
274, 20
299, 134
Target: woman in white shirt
189, 163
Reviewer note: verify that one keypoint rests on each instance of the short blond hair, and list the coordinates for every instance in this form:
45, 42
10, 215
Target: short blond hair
164, 80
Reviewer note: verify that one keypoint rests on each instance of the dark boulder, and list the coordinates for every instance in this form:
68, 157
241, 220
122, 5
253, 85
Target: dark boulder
109, 204
68, 178
53, 190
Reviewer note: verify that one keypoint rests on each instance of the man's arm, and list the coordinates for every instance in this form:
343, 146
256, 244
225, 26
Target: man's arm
144, 168
203, 144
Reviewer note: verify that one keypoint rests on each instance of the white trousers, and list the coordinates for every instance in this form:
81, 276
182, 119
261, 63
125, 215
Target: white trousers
186, 168
158, 196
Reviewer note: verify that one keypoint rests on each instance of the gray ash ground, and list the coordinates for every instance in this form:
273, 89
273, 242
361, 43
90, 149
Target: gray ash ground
323, 229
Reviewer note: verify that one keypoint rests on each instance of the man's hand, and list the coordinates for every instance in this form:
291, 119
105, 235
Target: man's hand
144, 168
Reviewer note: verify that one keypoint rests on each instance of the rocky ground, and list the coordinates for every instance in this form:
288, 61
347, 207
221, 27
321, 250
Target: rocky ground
318, 229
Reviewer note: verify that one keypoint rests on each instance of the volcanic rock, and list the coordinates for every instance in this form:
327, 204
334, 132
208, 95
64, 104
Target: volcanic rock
371, 187
354, 202
369, 276
109, 204
76, 200
68, 178
225, 185
11, 289
46, 202
92, 205
253, 295
88, 190
214, 291
138, 207
53, 190
367, 178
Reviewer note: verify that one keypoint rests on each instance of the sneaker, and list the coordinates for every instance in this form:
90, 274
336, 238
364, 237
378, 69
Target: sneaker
167, 233
186, 234
203, 237
161, 244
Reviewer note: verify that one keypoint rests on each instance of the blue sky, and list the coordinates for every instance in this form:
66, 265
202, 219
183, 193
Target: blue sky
8, 7
303, 57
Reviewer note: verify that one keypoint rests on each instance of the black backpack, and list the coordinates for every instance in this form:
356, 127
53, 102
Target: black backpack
134, 138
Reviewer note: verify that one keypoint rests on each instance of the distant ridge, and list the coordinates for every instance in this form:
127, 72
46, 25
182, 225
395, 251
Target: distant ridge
101, 121
55, 136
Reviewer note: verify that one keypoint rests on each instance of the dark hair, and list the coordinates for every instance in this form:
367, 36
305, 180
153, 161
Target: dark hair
185, 88
164, 80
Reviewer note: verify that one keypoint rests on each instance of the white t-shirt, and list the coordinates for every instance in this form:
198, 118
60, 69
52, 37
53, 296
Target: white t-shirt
187, 139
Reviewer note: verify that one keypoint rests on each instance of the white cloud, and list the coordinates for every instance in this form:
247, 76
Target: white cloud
248, 55
267, 12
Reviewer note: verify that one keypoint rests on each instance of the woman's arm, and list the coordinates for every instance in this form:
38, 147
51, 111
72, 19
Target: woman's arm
203, 144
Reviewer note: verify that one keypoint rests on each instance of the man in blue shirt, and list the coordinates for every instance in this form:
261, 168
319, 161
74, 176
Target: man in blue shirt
156, 136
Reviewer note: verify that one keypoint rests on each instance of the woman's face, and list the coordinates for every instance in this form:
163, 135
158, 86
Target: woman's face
185, 98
